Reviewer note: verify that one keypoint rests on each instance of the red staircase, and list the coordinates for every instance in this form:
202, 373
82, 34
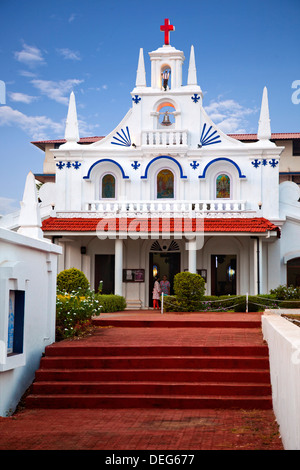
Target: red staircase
92, 375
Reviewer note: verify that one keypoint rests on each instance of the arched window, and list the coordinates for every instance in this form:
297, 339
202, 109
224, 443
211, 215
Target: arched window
165, 184
222, 186
293, 272
108, 190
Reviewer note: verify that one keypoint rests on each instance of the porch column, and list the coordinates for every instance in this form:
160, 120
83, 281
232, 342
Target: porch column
257, 264
118, 266
192, 254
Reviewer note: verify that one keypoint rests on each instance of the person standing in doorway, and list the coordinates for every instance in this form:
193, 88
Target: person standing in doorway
156, 293
165, 286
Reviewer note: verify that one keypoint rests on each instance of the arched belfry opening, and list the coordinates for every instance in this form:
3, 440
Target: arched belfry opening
165, 77
166, 115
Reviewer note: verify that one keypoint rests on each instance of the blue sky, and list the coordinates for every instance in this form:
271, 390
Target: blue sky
49, 48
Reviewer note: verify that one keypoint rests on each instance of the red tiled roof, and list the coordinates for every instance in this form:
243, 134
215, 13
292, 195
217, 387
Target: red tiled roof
274, 136
82, 140
248, 225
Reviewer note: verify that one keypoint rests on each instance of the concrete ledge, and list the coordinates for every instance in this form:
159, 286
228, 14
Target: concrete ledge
283, 338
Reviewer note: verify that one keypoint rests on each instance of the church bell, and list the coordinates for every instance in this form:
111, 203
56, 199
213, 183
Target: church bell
166, 120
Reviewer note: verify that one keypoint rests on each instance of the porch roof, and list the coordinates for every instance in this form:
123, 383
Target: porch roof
161, 225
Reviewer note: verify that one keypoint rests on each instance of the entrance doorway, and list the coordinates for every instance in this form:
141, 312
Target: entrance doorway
105, 272
223, 274
163, 264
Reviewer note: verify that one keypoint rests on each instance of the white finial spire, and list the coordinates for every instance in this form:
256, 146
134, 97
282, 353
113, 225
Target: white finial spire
141, 74
264, 127
71, 131
30, 218
192, 73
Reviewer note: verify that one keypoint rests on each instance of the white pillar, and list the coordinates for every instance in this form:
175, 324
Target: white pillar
118, 266
192, 254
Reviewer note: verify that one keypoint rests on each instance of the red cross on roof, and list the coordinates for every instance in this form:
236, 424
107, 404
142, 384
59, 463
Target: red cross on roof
167, 27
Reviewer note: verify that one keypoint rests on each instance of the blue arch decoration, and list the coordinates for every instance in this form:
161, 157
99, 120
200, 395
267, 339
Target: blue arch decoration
105, 160
225, 159
167, 157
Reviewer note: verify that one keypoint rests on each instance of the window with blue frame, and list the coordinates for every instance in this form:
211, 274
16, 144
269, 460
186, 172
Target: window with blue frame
16, 322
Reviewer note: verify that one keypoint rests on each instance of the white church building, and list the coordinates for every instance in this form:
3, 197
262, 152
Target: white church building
167, 191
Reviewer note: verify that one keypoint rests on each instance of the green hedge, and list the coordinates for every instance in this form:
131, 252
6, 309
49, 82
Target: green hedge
111, 303
234, 303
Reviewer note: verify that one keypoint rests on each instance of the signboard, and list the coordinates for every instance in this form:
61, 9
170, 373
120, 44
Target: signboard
133, 275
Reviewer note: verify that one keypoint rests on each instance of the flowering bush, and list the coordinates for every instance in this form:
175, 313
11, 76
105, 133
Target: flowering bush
74, 313
286, 292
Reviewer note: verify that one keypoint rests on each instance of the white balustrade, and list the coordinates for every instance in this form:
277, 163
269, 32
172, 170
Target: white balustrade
161, 208
164, 137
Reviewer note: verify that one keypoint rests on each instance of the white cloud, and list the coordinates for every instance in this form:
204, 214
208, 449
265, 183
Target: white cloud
30, 55
68, 54
37, 127
22, 97
57, 91
8, 205
26, 73
72, 17
230, 116
40, 127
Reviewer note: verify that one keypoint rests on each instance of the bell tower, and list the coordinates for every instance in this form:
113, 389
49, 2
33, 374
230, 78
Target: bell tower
166, 63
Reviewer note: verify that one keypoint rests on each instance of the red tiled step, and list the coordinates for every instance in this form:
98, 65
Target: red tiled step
69, 349
131, 323
142, 362
151, 388
136, 401
176, 375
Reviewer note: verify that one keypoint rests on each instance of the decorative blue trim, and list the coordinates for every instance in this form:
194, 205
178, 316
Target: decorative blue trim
256, 163
195, 97
169, 158
135, 165
68, 165
105, 160
264, 162
194, 165
76, 165
124, 140
136, 99
225, 159
60, 165
274, 162
208, 137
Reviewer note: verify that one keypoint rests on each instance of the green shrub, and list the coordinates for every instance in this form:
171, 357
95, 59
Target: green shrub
286, 292
72, 280
189, 290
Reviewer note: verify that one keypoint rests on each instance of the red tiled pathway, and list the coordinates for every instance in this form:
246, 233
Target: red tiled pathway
148, 429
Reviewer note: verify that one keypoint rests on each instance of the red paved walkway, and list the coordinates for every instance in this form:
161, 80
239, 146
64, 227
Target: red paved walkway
148, 429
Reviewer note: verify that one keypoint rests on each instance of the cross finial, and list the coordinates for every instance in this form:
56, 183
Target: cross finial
167, 27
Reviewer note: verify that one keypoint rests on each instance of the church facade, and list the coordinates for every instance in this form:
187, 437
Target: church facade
167, 191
